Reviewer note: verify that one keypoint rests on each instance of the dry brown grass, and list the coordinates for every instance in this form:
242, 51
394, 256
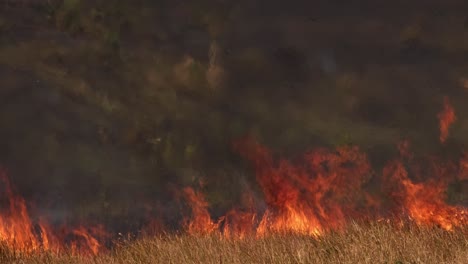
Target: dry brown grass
357, 244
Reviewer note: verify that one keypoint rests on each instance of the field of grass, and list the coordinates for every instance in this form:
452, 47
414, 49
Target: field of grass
376, 243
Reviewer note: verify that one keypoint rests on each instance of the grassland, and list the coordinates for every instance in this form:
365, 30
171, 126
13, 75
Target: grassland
376, 243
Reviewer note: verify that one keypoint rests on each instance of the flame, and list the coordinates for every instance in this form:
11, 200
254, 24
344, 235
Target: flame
306, 199
446, 118
200, 222
324, 190
424, 202
20, 233
88, 240
239, 224
321, 191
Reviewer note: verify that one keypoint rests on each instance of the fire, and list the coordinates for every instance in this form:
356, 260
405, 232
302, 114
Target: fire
307, 198
88, 240
200, 222
425, 202
20, 233
326, 189
322, 191
446, 118
239, 224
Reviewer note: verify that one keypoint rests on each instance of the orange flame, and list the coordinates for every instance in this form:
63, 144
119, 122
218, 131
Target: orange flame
307, 199
424, 202
88, 240
239, 224
200, 222
446, 118
19, 233
322, 191
326, 190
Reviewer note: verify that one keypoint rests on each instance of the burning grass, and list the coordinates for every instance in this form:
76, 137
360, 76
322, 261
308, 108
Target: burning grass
310, 209
358, 243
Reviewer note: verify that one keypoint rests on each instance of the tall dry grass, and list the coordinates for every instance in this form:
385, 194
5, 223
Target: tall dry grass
377, 243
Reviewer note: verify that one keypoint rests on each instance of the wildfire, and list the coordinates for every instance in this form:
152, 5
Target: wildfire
322, 191
325, 190
446, 118
20, 233
200, 222
425, 202
307, 198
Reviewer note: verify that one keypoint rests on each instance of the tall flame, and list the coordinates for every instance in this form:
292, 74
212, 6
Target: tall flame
200, 222
20, 233
307, 198
326, 189
320, 192
446, 118
425, 202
